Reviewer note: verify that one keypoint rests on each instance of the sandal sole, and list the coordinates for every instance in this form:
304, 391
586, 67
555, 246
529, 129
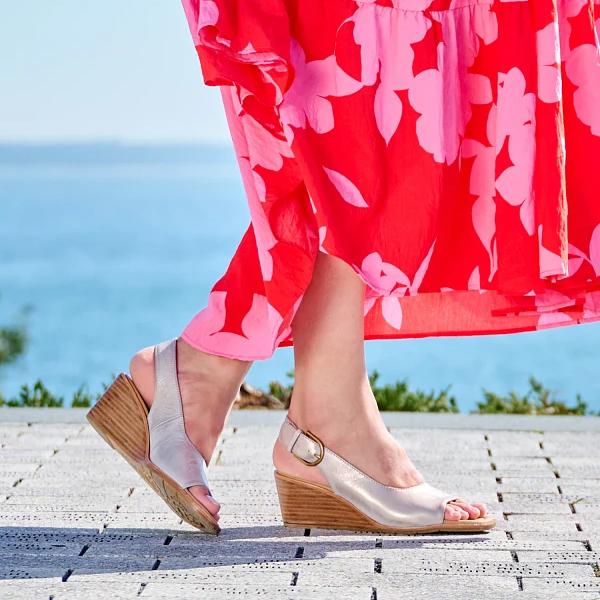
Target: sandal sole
121, 418
308, 505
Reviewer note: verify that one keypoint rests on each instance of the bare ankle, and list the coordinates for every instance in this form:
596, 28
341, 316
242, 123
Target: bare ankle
192, 362
333, 413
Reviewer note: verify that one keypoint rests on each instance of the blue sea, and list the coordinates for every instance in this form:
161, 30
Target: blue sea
116, 247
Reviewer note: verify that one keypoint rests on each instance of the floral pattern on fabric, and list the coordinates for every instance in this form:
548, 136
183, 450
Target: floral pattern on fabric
448, 150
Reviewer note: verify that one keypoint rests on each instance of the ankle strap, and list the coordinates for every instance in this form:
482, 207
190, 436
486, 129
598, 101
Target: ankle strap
305, 446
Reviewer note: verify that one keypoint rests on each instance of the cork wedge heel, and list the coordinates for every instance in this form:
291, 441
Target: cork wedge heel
353, 501
308, 505
121, 417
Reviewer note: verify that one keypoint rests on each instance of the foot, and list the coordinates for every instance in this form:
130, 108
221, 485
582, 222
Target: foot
209, 385
370, 448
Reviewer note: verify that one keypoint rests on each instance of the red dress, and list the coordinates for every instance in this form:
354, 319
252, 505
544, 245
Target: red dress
448, 150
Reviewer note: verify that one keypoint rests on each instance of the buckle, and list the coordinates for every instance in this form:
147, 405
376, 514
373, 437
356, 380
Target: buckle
321, 455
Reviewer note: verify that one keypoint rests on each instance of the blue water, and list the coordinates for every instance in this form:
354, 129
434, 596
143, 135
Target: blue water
117, 248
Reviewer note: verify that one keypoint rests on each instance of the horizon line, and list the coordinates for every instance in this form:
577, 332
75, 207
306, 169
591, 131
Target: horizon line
113, 142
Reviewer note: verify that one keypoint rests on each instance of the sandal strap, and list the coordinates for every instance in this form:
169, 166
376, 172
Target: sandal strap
417, 506
306, 448
170, 448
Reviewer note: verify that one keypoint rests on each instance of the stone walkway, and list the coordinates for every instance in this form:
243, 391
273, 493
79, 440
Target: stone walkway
77, 522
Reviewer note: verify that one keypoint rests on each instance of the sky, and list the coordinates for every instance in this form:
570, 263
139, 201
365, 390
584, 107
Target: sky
123, 70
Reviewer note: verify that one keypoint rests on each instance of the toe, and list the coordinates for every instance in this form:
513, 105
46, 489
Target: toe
451, 513
464, 515
482, 508
472, 510
204, 497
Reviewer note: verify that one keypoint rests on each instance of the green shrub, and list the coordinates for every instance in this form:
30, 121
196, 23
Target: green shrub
389, 397
14, 338
398, 396
537, 401
36, 397
83, 399
283, 392
39, 396
13, 342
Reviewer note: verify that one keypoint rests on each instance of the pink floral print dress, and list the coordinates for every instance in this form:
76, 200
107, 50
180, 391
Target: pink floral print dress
448, 150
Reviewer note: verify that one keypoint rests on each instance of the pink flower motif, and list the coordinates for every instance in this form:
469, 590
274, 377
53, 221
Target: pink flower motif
258, 327
485, 25
306, 99
482, 184
583, 70
443, 96
348, 191
385, 35
322, 236
381, 276
250, 154
263, 148
595, 250
591, 308
548, 305
265, 239
369, 301
567, 9
388, 111
392, 311
474, 282
550, 262
553, 319
593, 259
388, 280
420, 274
552, 300
549, 76
516, 121
582, 66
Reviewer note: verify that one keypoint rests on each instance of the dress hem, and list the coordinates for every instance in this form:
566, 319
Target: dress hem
288, 343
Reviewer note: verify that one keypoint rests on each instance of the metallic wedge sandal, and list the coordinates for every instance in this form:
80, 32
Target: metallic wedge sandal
155, 443
355, 502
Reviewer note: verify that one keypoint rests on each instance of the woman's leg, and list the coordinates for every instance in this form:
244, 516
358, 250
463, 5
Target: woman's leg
209, 385
332, 397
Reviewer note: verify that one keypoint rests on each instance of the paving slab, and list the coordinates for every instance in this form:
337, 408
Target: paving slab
558, 586
516, 485
583, 556
77, 521
188, 591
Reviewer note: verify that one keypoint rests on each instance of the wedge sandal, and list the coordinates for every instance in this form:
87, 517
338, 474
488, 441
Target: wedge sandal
154, 442
355, 502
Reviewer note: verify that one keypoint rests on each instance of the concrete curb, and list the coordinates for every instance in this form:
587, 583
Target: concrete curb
409, 420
